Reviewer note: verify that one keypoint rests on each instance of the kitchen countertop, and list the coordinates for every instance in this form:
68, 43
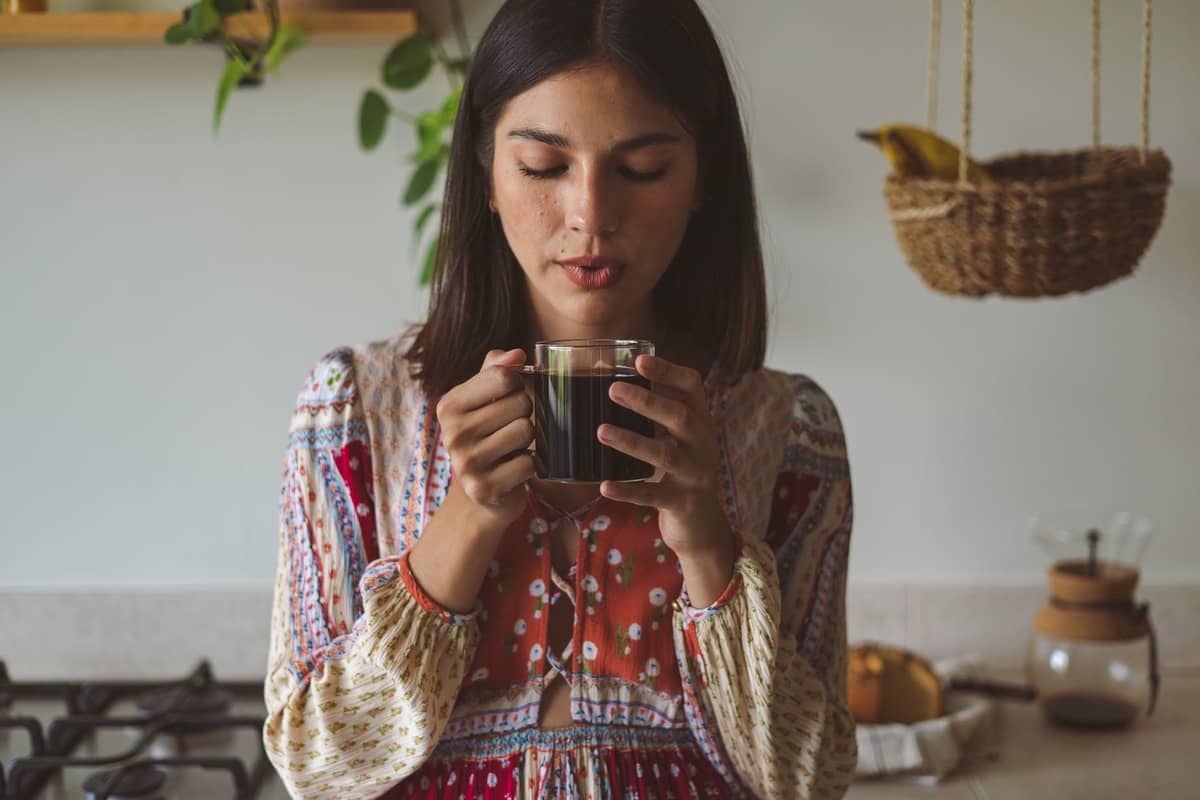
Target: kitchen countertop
1157, 758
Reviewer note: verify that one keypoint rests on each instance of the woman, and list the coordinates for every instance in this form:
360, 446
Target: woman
447, 625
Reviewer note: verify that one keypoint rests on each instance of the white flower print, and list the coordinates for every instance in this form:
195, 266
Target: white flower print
519, 628
424, 784
601, 523
590, 584
635, 631
538, 526
652, 667
453, 779
590, 651
535, 653
675, 770
614, 556
363, 509
479, 674
354, 463
537, 588
658, 596
491, 779
599, 597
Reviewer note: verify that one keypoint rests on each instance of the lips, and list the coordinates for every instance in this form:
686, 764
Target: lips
593, 272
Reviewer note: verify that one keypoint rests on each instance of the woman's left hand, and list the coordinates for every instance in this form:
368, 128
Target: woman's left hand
690, 516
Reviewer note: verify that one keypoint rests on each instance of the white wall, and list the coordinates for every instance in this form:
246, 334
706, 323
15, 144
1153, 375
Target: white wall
164, 292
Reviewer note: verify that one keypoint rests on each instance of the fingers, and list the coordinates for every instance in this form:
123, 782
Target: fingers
508, 358
662, 452
495, 380
517, 435
465, 431
674, 415
657, 495
494, 486
662, 372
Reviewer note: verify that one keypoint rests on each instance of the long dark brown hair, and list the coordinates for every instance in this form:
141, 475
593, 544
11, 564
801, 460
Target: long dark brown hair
713, 293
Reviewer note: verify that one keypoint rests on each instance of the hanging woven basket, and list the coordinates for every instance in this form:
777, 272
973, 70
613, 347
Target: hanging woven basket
1048, 223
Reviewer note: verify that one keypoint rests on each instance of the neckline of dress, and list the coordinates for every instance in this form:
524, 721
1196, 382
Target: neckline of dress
576, 514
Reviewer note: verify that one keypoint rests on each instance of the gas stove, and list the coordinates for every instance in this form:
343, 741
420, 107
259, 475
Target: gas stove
195, 737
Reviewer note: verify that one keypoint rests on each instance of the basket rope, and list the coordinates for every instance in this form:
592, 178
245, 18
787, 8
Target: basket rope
967, 77
1050, 223
1095, 73
968, 55
931, 75
1145, 78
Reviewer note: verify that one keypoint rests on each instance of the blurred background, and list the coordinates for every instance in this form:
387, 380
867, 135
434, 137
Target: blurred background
165, 290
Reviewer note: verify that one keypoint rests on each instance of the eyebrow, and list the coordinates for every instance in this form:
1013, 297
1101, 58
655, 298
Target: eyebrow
558, 140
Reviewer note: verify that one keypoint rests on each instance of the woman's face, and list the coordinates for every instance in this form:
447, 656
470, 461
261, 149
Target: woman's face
594, 182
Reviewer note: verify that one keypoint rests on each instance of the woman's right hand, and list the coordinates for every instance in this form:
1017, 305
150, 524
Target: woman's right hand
486, 428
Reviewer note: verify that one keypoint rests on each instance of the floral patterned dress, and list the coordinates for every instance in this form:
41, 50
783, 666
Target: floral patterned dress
374, 690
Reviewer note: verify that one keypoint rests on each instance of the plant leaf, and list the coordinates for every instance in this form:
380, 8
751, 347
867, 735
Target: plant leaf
449, 109
373, 113
179, 33
429, 134
458, 65
408, 63
422, 220
421, 182
203, 18
430, 262
287, 40
227, 7
233, 72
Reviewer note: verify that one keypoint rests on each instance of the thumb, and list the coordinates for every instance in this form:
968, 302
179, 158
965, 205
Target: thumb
504, 358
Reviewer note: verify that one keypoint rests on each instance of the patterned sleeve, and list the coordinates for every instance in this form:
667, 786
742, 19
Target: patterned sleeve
364, 667
765, 664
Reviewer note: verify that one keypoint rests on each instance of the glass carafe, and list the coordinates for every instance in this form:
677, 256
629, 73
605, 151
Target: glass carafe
1092, 655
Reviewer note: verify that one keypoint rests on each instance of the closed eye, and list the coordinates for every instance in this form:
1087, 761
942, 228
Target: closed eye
643, 177
542, 174
631, 174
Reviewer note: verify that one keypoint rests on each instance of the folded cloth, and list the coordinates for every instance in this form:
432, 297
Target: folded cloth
926, 752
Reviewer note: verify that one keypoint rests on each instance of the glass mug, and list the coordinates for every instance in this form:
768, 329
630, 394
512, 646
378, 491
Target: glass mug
571, 379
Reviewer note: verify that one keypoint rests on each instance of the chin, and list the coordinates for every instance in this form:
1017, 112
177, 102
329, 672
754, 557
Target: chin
596, 309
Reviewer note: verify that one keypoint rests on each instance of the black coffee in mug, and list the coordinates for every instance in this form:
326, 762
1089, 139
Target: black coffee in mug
568, 411
571, 379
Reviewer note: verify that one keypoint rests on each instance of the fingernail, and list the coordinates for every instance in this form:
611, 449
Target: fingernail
603, 433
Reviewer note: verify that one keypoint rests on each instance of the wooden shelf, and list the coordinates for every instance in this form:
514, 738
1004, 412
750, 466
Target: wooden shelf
103, 29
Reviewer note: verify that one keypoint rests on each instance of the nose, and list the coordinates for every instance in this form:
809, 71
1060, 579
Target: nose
593, 208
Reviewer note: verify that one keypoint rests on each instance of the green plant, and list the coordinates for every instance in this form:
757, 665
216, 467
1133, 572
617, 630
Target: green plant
406, 66
246, 56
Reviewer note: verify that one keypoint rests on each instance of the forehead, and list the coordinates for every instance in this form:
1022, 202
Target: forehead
592, 105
